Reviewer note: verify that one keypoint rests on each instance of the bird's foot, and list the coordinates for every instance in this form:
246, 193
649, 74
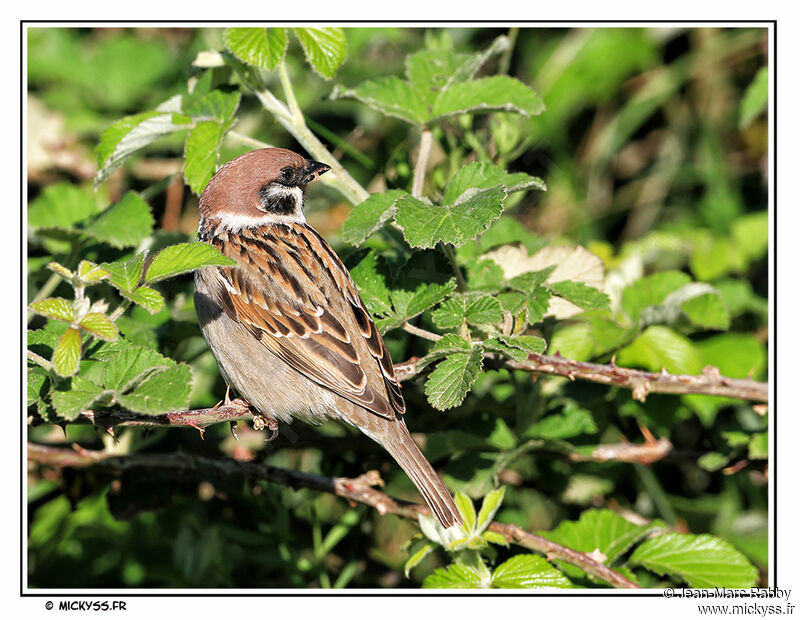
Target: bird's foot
261, 422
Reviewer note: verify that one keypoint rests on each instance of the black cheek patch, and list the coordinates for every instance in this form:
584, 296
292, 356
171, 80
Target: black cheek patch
274, 201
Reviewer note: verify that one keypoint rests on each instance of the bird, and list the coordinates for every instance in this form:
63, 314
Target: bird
286, 323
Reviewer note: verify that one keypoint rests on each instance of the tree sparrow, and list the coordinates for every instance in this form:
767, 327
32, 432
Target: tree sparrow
287, 325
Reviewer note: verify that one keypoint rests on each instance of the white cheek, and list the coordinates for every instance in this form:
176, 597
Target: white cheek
234, 222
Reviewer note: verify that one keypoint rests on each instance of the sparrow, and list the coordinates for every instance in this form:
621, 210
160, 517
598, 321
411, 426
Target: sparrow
286, 324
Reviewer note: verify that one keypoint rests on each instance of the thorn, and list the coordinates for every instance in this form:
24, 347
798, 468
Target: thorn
648, 436
571, 376
614, 361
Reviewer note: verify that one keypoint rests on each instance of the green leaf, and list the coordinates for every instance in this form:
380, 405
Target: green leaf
424, 225
712, 461
212, 106
125, 274
707, 310
54, 308
496, 93
573, 421
454, 576
132, 133
466, 509
600, 530
184, 257
651, 291
100, 326
758, 448
37, 379
325, 49
391, 96
475, 308
660, 347
416, 558
372, 285
61, 270
736, 355
755, 98
572, 341
445, 346
201, 153
528, 571
489, 507
751, 232
67, 354
702, 561
369, 216
449, 383
516, 347
484, 175
124, 224
126, 367
163, 391
61, 206
260, 47
580, 294
77, 397
148, 298
91, 273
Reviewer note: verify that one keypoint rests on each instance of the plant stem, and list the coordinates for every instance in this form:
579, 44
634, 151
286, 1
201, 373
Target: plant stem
119, 310
422, 333
40, 360
461, 283
244, 139
425, 143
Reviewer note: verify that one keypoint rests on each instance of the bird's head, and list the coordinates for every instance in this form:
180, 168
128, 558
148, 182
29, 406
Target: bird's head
260, 187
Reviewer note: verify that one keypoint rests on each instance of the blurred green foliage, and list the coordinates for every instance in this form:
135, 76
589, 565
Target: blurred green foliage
653, 147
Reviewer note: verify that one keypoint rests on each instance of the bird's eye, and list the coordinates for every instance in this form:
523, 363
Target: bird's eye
287, 174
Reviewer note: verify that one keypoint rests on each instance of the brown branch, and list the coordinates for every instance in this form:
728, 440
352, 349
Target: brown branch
359, 490
641, 382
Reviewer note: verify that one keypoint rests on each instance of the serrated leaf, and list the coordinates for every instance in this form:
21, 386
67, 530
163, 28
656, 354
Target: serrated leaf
100, 326
467, 511
37, 379
712, 461
124, 224
149, 298
123, 368
583, 296
702, 561
182, 258
167, 390
572, 341
489, 507
476, 308
528, 571
416, 558
91, 273
125, 274
446, 345
67, 353
369, 216
424, 225
454, 576
132, 133
660, 347
758, 447
61, 270
600, 530
214, 105
495, 538
54, 308
484, 175
79, 396
391, 96
449, 383
325, 49
201, 154
260, 47
496, 93
61, 206
372, 285
516, 347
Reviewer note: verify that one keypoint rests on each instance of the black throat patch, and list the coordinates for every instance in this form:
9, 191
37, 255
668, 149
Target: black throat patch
277, 200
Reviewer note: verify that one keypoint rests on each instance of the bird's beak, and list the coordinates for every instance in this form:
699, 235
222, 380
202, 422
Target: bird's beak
312, 170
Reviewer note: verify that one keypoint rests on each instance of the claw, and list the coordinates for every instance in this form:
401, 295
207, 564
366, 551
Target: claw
262, 421
233, 430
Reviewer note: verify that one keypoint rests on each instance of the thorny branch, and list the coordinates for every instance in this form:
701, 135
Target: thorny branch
359, 490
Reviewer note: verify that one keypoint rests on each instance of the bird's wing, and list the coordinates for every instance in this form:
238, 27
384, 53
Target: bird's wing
297, 298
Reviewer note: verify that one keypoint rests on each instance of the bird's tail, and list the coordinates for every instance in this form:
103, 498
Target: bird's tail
400, 445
